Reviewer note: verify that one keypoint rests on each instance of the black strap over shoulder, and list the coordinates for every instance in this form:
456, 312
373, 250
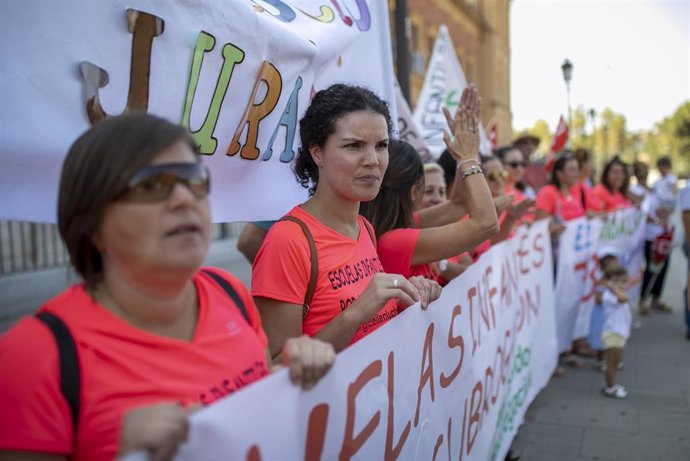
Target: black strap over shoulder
313, 274
227, 287
70, 384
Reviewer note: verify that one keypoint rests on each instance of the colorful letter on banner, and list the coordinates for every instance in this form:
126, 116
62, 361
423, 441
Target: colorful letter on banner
578, 267
451, 382
238, 73
443, 85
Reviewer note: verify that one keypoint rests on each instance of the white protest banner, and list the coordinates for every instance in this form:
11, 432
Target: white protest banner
238, 73
407, 127
453, 381
578, 265
443, 85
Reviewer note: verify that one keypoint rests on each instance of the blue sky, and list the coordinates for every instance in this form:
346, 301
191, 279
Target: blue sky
632, 56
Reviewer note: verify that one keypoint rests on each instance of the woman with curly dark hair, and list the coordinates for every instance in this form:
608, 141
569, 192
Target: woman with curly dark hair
318, 272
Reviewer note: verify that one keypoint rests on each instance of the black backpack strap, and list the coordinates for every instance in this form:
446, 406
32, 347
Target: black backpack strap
311, 286
70, 384
227, 287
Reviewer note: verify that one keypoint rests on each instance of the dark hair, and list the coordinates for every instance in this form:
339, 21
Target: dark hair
500, 152
582, 155
319, 122
449, 165
663, 162
615, 271
559, 165
639, 167
393, 206
484, 159
96, 170
606, 259
605, 175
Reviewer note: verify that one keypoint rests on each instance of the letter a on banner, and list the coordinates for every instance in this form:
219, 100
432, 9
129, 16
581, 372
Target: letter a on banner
443, 85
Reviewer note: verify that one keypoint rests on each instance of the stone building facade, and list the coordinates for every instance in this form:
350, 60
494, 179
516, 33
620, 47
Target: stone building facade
480, 33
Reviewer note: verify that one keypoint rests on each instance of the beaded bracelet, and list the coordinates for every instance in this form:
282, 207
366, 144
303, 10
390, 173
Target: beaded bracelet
474, 169
469, 160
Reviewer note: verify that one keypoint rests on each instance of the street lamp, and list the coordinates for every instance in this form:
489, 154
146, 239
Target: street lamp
592, 113
567, 68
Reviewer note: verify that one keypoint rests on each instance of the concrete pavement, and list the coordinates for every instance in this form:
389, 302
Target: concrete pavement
571, 420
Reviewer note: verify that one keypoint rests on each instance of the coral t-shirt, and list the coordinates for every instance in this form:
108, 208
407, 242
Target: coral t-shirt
611, 201
550, 200
122, 367
283, 265
396, 249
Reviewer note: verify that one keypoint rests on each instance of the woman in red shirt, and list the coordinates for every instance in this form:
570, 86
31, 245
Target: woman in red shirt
511, 218
556, 200
317, 272
440, 235
148, 334
562, 201
613, 188
592, 202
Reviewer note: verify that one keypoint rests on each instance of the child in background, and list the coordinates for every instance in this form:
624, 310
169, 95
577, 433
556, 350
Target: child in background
608, 258
617, 323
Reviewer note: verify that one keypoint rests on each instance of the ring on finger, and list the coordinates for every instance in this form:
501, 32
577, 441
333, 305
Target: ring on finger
395, 283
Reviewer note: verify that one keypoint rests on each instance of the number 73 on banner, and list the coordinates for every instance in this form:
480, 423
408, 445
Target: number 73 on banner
588, 267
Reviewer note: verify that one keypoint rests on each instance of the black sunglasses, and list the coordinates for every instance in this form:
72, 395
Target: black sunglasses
154, 183
516, 164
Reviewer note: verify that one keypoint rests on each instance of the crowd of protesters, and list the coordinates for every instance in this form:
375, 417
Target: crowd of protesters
119, 361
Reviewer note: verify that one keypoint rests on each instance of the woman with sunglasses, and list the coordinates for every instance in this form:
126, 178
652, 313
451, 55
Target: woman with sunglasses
148, 336
439, 234
317, 272
496, 178
514, 164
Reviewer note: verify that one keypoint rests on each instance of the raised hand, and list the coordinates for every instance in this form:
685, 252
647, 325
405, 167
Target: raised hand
464, 126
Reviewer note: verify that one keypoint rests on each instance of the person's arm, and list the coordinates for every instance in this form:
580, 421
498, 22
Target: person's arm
250, 240
283, 321
442, 242
514, 214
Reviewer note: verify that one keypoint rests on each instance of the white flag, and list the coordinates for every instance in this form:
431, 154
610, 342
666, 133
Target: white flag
443, 86
408, 130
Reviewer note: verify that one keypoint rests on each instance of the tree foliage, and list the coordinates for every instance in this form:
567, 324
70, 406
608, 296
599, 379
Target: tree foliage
607, 135
671, 137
